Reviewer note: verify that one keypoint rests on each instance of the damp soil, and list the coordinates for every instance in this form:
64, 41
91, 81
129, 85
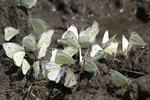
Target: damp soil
118, 16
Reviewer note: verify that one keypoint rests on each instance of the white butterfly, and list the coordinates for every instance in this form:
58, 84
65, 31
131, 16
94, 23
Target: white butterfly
90, 65
88, 37
73, 34
97, 52
135, 39
36, 68
71, 50
70, 37
55, 72
38, 25
15, 52
27, 3
44, 70
45, 37
45, 40
12, 48
10, 32
70, 79
42, 51
108, 45
119, 79
25, 66
126, 46
18, 58
60, 57
111, 49
106, 41
29, 42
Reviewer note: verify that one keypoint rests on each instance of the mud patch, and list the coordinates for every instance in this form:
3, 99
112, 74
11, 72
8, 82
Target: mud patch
117, 16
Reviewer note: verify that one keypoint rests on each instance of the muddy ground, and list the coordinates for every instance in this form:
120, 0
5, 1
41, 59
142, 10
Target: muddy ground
118, 16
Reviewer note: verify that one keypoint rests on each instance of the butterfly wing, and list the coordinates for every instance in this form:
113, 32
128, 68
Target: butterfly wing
100, 54
52, 75
44, 70
11, 48
42, 51
25, 66
36, 68
70, 38
111, 49
93, 32
135, 39
54, 51
27, 3
128, 49
38, 25
29, 42
70, 79
119, 79
61, 73
10, 32
84, 37
18, 58
88, 37
105, 37
71, 50
109, 42
45, 37
72, 32
55, 72
90, 65
72, 43
81, 58
95, 49
63, 58
126, 46
125, 43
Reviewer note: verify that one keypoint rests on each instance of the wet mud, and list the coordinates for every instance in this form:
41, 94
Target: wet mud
118, 16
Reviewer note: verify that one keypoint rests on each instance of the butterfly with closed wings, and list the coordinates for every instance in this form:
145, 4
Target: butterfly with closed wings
54, 71
119, 79
126, 46
88, 37
10, 32
38, 25
70, 79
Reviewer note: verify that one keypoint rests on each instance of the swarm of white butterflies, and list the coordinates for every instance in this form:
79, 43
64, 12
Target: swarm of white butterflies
53, 69
17, 52
88, 37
